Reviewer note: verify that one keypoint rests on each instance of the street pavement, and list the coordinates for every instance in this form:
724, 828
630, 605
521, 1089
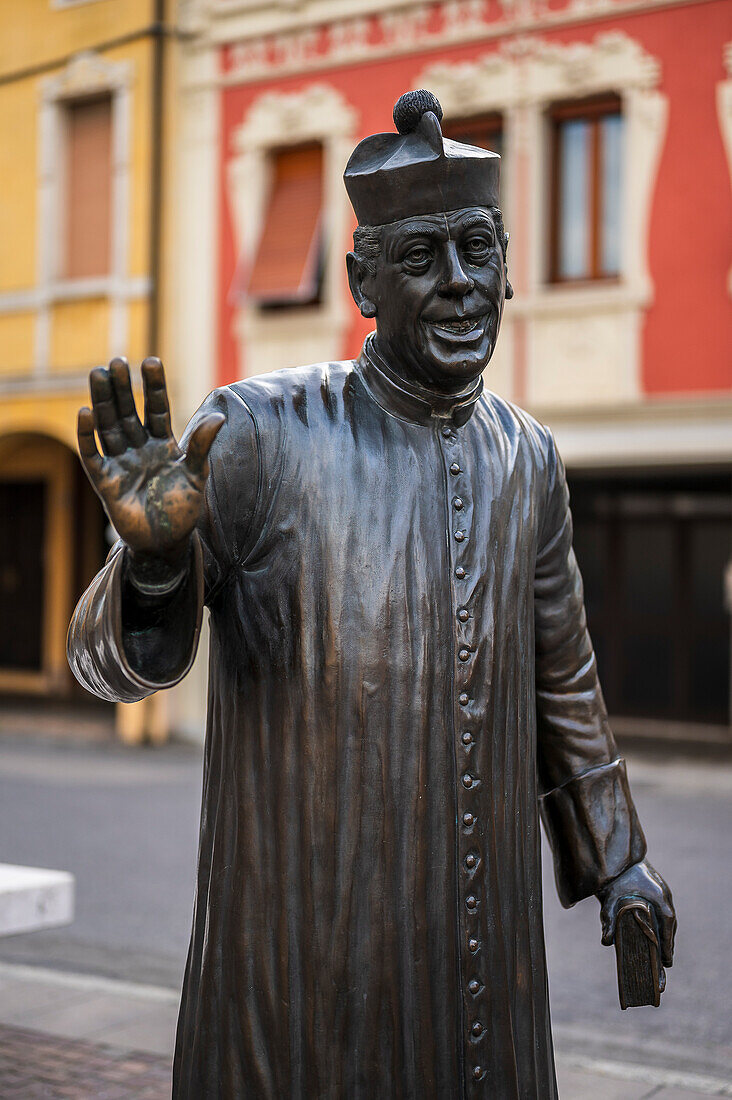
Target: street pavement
125, 823
34, 1066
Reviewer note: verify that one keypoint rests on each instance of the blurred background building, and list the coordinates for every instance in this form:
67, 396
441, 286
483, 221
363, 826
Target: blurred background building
84, 140
172, 184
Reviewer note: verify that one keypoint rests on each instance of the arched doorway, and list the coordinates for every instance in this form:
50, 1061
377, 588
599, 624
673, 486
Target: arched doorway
52, 542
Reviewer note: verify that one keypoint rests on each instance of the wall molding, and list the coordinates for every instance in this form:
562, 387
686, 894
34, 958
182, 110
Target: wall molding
86, 73
724, 116
74, 290
274, 39
59, 5
690, 430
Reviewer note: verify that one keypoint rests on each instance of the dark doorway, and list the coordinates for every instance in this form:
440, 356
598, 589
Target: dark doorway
653, 551
22, 543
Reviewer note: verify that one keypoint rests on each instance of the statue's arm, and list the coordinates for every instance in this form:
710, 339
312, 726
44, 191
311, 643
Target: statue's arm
597, 841
136, 628
123, 644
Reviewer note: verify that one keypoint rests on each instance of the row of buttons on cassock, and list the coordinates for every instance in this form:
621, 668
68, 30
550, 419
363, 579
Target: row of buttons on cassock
469, 781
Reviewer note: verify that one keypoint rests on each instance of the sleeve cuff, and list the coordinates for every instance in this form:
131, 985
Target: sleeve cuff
157, 580
172, 652
593, 830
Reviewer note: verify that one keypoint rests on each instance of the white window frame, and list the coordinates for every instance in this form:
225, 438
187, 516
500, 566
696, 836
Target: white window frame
563, 363
86, 75
275, 120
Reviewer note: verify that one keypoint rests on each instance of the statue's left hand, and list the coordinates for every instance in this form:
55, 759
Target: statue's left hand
640, 881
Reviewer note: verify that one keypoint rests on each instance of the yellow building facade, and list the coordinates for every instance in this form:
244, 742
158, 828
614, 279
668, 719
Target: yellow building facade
85, 117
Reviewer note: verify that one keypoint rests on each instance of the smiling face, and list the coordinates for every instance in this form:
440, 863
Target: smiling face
437, 293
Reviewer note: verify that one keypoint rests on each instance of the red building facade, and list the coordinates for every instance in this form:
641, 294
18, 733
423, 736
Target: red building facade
614, 122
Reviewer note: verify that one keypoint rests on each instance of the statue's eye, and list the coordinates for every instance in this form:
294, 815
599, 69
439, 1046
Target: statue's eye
418, 258
477, 246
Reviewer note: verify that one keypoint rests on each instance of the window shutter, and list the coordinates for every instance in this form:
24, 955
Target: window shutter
286, 268
89, 187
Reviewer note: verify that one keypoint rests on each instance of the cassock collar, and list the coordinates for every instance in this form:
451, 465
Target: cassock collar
412, 401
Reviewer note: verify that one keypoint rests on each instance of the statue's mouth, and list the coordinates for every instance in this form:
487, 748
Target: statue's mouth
466, 324
462, 330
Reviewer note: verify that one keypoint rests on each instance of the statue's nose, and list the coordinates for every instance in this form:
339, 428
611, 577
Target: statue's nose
456, 281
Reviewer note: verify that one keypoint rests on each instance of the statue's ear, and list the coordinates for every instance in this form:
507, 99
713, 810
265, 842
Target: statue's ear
509, 288
356, 276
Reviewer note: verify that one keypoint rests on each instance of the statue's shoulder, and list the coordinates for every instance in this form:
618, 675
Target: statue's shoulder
517, 424
295, 390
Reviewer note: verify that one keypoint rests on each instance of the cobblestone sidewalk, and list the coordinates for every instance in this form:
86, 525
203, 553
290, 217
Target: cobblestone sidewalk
80, 1037
34, 1066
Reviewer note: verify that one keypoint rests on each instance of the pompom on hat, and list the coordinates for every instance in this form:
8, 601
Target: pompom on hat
417, 170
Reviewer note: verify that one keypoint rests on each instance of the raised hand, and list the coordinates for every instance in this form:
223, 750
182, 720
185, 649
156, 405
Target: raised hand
152, 492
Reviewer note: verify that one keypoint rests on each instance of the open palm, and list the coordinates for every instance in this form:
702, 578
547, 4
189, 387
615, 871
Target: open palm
152, 492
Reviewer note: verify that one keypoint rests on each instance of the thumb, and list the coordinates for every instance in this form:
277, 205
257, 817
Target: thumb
608, 919
668, 934
200, 442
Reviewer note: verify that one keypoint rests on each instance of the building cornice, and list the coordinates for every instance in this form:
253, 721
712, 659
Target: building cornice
686, 430
306, 36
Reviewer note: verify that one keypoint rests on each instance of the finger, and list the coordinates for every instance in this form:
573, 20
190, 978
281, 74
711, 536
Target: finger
90, 456
200, 442
157, 409
106, 418
119, 373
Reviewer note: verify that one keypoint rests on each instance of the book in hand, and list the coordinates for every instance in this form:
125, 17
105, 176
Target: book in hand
641, 978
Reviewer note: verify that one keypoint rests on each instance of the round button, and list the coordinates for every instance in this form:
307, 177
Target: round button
454, 468
468, 819
468, 780
470, 860
459, 536
460, 573
464, 699
463, 615
464, 654
447, 432
477, 1072
474, 986
458, 504
471, 903
473, 945
467, 738
477, 1028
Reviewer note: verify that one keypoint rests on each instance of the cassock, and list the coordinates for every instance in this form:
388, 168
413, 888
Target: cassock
400, 677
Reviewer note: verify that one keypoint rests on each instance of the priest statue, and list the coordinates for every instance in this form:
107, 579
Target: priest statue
401, 680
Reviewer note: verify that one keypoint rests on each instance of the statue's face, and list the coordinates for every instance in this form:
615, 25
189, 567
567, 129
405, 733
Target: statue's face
439, 289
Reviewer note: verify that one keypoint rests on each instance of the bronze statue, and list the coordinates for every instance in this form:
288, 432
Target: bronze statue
400, 674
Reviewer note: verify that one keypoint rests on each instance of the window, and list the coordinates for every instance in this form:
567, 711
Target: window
88, 187
587, 155
288, 264
485, 131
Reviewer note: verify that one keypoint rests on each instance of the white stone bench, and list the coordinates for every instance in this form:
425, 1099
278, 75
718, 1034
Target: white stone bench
33, 898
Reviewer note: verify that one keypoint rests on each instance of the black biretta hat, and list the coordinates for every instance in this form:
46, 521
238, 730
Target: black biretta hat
417, 170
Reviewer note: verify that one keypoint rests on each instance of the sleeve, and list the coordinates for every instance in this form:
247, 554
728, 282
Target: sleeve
586, 806
123, 644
